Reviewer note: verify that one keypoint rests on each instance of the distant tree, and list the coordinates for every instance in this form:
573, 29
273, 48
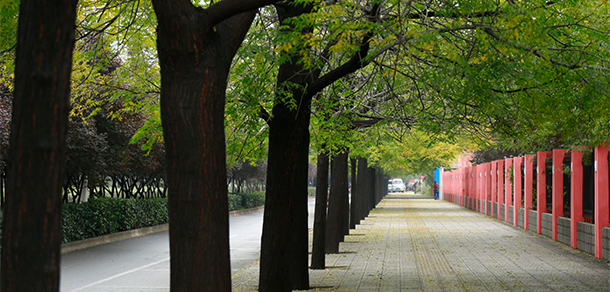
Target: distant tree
247, 176
319, 237
492, 153
338, 204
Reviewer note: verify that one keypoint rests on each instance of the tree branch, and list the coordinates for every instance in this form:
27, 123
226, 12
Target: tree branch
264, 114
225, 9
359, 124
535, 52
356, 62
235, 29
430, 14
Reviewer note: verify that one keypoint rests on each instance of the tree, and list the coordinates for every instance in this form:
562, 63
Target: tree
196, 47
32, 230
338, 205
319, 229
414, 153
284, 242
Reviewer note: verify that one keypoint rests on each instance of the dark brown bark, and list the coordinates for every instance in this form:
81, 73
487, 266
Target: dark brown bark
284, 254
284, 257
284, 239
353, 210
362, 183
336, 222
346, 204
378, 185
31, 235
372, 178
196, 49
318, 252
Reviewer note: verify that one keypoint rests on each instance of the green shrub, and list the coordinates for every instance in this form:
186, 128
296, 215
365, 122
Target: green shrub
244, 201
103, 216
110, 215
234, 202
253, 200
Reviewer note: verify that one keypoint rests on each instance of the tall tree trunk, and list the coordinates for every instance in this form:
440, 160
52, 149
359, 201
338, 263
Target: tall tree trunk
338, 198
372, 178
196, 48
288, 150
284, 241
363, 201
378, 182
353, 211
284, 255
346, 204
31, 234
318, 252
2, 180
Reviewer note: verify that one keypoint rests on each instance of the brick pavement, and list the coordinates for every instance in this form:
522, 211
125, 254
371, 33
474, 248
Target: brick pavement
411, 244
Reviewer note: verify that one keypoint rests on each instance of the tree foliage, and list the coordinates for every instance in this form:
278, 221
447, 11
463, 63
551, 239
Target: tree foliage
523, 74
423, 76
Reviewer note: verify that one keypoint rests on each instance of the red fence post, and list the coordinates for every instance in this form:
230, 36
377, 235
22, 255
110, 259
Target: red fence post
487, 186
500, 187
557, 211
481, 187
508, 198
541, 187
468, 179
477, 188
464, 186
517, 161
457, 178
576, 197
475, 183
529, 185
601, 197
494, 186
473, 188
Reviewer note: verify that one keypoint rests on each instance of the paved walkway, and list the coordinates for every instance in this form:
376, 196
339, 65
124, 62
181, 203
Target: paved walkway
412, 244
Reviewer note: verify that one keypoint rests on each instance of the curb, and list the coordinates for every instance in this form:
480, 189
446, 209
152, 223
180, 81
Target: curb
110, 238
123, 235
245, 211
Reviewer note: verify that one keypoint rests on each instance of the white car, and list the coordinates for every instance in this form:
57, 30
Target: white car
396, 185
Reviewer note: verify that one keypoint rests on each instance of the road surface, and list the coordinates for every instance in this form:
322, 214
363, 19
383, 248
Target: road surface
142, 264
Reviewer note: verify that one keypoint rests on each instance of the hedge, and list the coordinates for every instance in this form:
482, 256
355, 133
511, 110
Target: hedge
245, 201
110, 215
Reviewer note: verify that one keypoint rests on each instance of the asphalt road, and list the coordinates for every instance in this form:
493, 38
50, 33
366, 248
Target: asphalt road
142, 263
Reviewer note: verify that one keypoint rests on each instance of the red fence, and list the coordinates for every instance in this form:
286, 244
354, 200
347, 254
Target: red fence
561, 194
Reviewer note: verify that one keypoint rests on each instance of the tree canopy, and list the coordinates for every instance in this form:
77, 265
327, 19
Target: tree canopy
531, 72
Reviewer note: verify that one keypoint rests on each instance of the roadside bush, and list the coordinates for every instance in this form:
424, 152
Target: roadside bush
234, 202
110, 215
245, 201
103, 216
252, 200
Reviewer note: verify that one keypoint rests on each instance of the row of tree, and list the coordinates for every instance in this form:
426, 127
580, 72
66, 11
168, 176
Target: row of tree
333, 221
360, 75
